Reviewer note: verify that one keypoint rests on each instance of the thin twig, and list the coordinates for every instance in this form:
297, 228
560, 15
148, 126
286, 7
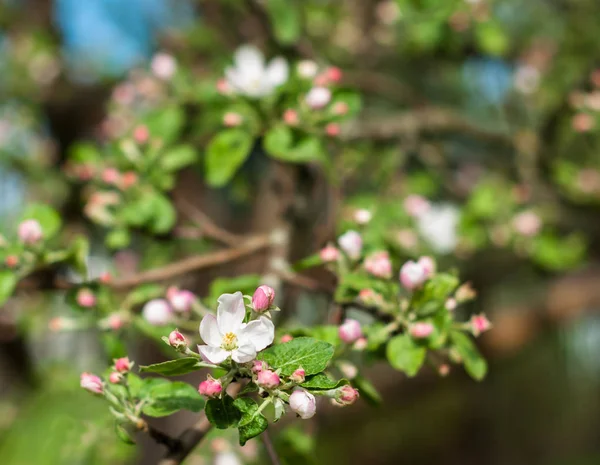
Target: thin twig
188, 440
270, 448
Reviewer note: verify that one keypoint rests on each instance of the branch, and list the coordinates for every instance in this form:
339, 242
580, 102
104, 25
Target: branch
187, 442
270, 448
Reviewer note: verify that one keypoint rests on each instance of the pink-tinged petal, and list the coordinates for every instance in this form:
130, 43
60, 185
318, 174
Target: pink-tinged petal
244, 353
214, 355
260, 333
277, 71
230, 313
209, 331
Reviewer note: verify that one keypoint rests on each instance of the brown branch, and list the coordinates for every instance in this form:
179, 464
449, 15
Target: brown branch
270, 448
187, 442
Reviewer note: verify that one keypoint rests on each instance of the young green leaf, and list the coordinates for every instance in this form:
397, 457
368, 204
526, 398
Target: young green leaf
8, 282
169, 398
176, 367
321, 381
474, 363
310, 354
123, 434
225, 154
286, 19
404, 355
222, 413
251, 423
367, 390
178, 157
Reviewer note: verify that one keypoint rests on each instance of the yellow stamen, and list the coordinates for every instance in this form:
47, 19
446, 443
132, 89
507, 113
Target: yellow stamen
229, 341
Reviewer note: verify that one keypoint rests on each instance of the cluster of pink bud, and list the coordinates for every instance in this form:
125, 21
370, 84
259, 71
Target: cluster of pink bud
414, 274
479, 324
318, 97
115, 377
351, 243
350, 331
329, 253
259, 365
30, 232
157, 312
298, 376
346, 395
362, 216
303, 403
178, 341
111, 176
465, 293
210, 387
268, 379
92, 383
180, 299
85, 298
421, 330
263, 298
379, 264
527, 223
370, 297
232, 119
290, 117
331, 75
416, 205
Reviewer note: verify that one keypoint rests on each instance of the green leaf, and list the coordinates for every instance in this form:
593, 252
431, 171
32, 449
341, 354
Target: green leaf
251, 424
8, 282
83, 152
123, 434
246, 284
559, 253
48, 218
180, 366
278, 140
148, 384
135, 383
113, 345
178, 157
164, 214
367, 391
307, 352
286, 18
80, 248
405, 355
491, 38
321, 381
225, 154
279, 143
117, 239
169, 398
474, 363
222, 413
165, 123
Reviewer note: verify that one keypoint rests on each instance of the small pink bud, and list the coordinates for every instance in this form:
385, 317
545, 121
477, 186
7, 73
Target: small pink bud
180, 299
210, 387
412, 275
340, 108
263, 298
290, 117
85, 298
318, 97
428, 264
329, 254
444, 369
582, 122
115, 377
30, 232
177, 340
332, 129
128, 179
351, 242
350, 331
105, 278
232, 119
346, 395
362, 216
268, 379
360, 344
465, 293
92, 383
11, 261
115, 322
123, 365
527, 223
298, 376
141, 134
157, 312
303, 403
348, 369
451, 304
286, 338
334, 74
370, 297
421, 330
111, 176
378, 264
163, 66
480, 324
223, 87
416, 205
259, 365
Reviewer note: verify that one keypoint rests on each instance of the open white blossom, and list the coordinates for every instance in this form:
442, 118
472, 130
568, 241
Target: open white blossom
228, 336
438, 226
251, 76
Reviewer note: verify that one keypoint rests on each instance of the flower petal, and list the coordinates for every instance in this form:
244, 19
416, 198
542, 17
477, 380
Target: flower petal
260, 333
244, 353
214, 355
249, 59
277, 71
209, 331
230, 313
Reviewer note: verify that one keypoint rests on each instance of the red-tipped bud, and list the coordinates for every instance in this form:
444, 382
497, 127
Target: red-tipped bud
340, 108
268, 379
232, 119
115, 377
177, 340
30, 232
111, 176
210, 387
421, 330
346, 395
480, 324
123, 365
290, 117
128, 179
286, 338
85, 298
258, 366
298, 376
263, 298
11, 261
350, 331
334, 74
332, 129
105, 278
141, 134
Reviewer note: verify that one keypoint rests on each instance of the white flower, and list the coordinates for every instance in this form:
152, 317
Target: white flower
226, 458
303, 403
249, 76
351, 242
163, 66
157, 312
228, 336
438, 226
318, 97
307, 69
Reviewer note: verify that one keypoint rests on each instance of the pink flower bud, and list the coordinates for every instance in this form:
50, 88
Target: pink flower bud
334, 74
180, 299
115, 377
429, 266
259, 365
370, 297
465, 293
30, 232
157, 312
350, 331
111, 176
11, 261
85, 298
332, 129
379, 264
286, 338
582, 122
232, 119
210, 387
298, 376
307, 69
340, 108
223, 87
92, 383
290, 117
412, 275
105, 278
360, 344
421, 330
416, 205
362, 216
268, 379
128, 179
303, 403
451, 304
115, 322
351, 242
263, 298
141, 134
479, 324
177, 340
527, 223
123, 365
444, 369
329, 254
318, 97
346, 395
163, 66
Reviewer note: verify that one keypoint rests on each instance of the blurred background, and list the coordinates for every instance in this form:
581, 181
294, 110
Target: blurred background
487, 108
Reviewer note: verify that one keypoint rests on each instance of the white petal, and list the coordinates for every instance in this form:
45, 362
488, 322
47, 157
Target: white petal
209, 331
249, 59
259, 333
244, 353
214, 355
230, 313
278, 71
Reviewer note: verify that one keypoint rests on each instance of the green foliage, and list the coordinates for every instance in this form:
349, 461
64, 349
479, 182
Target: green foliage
8, 282
310, 354
46, 216
225, 154
176, 367
321, 381
286, 18
405, 355
252, 422
168, 398
474, 363
222, 413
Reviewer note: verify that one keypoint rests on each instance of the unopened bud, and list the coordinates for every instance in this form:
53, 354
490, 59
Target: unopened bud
362, 216
351, 242
105, 278
30, 232
259, 365
334, 74
115, 322
157, 312
444, 369
451, 304
379, 264
340, 108
527, 224
303, 403
223, 87
286, 338
348, 369
85, 298
428, 264
360, 344
232, 119
421, 330
318, 97
350, 331
129, 179
141, 134
268, 379
177, 340
329, 254
115, 377
163, 66
346, 395
290, 117
91, 383
479, 324
210, 387
412, 275
111, 176
332, 129
11, 261
298, 376
263, 298
180, 299
123, 365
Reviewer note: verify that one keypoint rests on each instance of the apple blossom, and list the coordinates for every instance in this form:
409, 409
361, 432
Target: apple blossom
379, 264
362, 216
332, 129
177, 340
416, 205
329, 253
307, 69
298, 376
413, 275
318, 97
351, 242
232, 119
263, 298
250, 76
123, 365
439, 227
226, 335
428, 264
290, 117
527, 223
163, 66
421, 330
30, 232
350, 331
11, 261
210, 387
181, 300
85, 298
268, 379
303, 403
115, 377
360, 344
157, 312
346, 395
92, 383
479, 324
